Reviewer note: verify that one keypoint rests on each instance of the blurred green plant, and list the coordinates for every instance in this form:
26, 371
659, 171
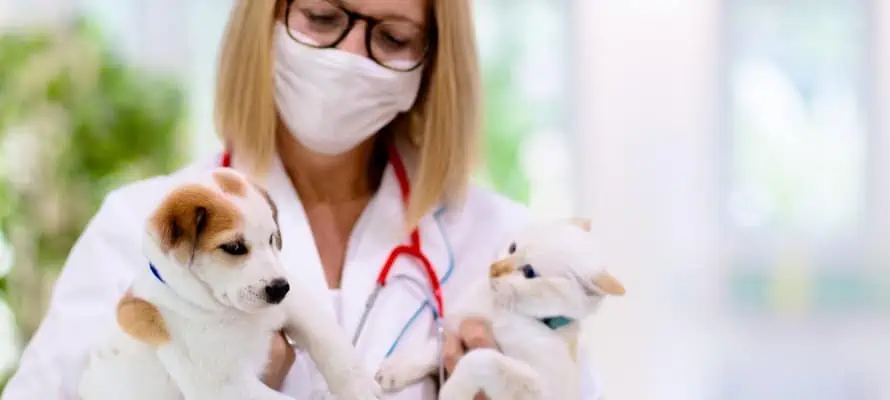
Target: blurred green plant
507, 124
75, 122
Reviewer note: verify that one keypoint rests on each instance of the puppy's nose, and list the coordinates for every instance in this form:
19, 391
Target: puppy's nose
276, 290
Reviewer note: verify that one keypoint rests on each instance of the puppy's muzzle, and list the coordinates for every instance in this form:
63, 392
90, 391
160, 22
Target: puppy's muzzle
276, 290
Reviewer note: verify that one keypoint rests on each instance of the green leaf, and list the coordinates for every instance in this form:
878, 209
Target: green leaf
115, 118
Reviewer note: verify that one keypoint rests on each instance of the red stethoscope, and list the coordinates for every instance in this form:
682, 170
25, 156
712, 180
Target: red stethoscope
412, 249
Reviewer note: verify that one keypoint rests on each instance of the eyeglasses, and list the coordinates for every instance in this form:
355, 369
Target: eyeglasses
394, 43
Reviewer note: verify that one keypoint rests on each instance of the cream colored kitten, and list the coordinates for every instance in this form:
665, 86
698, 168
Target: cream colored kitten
549, 279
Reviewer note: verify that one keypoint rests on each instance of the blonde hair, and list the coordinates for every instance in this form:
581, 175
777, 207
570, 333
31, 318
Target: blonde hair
444, 123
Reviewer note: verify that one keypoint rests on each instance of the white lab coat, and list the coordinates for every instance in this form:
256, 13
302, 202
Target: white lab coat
461, 243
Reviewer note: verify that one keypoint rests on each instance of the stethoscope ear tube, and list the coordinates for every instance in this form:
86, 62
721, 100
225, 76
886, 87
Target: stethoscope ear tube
368, 306
440, 332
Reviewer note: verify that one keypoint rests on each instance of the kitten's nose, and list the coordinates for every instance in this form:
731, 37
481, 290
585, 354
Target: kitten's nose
501, 268
276, 290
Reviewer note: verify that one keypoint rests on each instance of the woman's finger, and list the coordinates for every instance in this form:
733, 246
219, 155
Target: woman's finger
281, 358
452, 351
475, 334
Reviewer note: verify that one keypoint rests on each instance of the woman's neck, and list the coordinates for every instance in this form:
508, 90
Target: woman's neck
320, 178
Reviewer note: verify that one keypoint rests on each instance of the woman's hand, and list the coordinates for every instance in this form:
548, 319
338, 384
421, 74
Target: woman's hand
281, 358
473, 334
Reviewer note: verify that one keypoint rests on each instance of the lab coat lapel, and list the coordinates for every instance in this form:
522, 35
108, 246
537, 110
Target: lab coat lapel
299, 255
396, 311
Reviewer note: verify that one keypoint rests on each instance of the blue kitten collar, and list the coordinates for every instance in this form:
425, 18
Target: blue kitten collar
556, 322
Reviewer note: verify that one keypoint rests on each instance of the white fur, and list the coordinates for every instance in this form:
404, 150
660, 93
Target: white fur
221, 327
533, 362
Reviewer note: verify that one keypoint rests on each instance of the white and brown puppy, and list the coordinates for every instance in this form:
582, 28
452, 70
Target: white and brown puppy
198, 322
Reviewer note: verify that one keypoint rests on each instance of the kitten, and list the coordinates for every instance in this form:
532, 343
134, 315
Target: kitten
548, 281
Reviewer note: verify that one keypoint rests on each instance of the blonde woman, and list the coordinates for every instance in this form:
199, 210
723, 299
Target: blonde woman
361, 117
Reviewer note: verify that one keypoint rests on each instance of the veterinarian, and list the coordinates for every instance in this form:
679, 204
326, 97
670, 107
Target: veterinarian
361, 117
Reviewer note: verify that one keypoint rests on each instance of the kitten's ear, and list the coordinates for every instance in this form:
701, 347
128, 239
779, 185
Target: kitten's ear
606, 283
582, 223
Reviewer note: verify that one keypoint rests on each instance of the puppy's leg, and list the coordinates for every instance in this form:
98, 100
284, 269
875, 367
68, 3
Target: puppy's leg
198, 382
319, 335
496, 375
409, 366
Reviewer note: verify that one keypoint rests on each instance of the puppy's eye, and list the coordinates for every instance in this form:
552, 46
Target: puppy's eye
236, 248
528, 272
512, 248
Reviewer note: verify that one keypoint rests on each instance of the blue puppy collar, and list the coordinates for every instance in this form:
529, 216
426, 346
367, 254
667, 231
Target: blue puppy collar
556, 322
154, 271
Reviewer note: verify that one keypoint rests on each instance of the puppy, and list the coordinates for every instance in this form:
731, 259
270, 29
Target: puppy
198, 321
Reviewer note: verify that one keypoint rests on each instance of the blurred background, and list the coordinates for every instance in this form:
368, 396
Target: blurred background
734, 156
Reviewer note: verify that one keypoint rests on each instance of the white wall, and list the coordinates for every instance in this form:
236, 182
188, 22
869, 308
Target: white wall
648, 111
21, 12
881, 168
881, 111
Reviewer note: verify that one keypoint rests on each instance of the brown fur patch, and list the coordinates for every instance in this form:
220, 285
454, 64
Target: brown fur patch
230, 182
572, 344
608, 284
194, 218
142, 321
502, 267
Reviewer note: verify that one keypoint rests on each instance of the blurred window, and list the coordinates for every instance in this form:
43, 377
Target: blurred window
525, 48
800, 285
798, 115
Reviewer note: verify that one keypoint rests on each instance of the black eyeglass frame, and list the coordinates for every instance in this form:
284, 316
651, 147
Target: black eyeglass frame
370, 23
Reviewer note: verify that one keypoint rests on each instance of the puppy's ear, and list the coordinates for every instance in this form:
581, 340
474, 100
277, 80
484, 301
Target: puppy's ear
183, 220
582, 223
200, 223
272, 206
180, 229
605, 283
268, 199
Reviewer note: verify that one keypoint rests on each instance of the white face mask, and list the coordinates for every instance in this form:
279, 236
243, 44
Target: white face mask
332, 100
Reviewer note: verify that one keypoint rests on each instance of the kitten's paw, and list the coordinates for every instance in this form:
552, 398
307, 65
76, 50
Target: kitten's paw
457, 391
396, 374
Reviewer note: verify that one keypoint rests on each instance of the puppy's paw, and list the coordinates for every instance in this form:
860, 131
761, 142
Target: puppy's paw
396, 374
360, 389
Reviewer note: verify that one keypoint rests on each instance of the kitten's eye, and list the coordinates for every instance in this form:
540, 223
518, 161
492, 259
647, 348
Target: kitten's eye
236, 248
528, 272
512, 248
